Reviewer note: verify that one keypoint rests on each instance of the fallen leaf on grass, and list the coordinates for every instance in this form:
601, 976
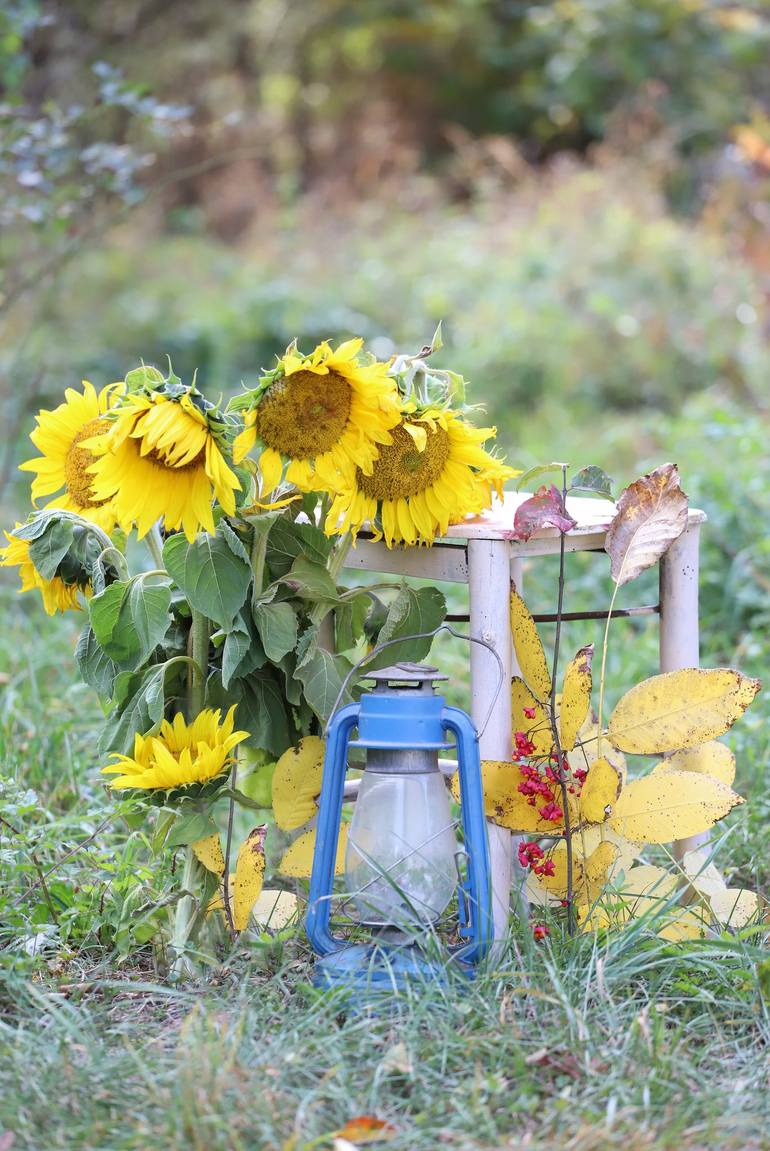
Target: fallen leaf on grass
365, 1129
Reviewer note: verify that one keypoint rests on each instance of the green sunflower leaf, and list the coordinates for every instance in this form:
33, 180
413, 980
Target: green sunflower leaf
139, 698
261, 708
277, 627
130, 619
322, 676
214, 579
95, 666
413, 611
49, 548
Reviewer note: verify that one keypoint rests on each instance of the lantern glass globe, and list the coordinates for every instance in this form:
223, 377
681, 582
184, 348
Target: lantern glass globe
400, 867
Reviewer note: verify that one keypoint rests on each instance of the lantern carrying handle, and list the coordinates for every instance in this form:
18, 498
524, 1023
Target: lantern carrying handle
425, 635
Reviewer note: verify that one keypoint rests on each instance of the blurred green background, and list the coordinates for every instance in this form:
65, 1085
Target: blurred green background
578, 190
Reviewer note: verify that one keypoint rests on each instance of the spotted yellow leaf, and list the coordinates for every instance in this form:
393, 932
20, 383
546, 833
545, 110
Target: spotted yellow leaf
575, 697
589, 875
679, 709
503, 802
297, 783
249, 874
530, 655
670, 805
297, 860
712, 758
600, 791
537, 727
208, 851
734, 907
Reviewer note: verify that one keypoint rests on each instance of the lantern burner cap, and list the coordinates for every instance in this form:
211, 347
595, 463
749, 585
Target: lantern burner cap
413, 676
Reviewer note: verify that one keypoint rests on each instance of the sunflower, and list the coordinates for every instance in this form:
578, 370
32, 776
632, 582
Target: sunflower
160, 459
327, 413
56, 593
180, 754
59, 435
433, 473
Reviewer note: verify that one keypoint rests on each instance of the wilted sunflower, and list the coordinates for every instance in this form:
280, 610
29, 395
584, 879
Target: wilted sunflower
180, 754
59, 435
159, 459
57, 595
433, 473
327, 413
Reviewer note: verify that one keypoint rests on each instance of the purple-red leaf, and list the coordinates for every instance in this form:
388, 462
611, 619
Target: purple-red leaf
545, 509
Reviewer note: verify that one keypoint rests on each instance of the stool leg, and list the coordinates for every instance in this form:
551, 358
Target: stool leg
679, 626
489, 586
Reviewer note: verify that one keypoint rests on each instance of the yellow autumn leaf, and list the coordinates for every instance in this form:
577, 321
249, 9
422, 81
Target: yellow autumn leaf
536, 728
600, 791
683, 923
598, 869
274, 909
712, 758
704, 877
588, 839
679, 709
671, 805
527, 644
505, 805
586, 750
297, 860
734, 907
249, 874
575, 697
297, 783
208, 851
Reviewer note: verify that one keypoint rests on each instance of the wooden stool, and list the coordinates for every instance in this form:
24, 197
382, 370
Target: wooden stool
480, 553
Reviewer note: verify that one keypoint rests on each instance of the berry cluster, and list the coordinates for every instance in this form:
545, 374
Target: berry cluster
540, 931
532, 855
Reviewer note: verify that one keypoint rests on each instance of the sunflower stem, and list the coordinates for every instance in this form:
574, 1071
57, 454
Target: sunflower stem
336, 564
154, 542
185, 917
228, 849
199, 651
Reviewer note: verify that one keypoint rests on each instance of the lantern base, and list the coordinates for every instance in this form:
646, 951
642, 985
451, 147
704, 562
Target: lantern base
372, 967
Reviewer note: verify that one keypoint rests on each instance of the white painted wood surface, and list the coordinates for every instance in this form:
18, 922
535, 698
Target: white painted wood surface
489, 584
679, 629
481, 552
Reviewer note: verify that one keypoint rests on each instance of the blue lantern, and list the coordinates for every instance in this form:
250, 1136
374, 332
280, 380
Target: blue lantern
403, 860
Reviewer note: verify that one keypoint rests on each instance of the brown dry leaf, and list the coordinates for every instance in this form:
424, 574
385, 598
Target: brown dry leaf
680, 709
712, 758
652, 513
366, 1129
530, 655
575, 697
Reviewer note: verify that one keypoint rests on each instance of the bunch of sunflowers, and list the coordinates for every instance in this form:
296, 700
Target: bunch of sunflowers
325, 445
